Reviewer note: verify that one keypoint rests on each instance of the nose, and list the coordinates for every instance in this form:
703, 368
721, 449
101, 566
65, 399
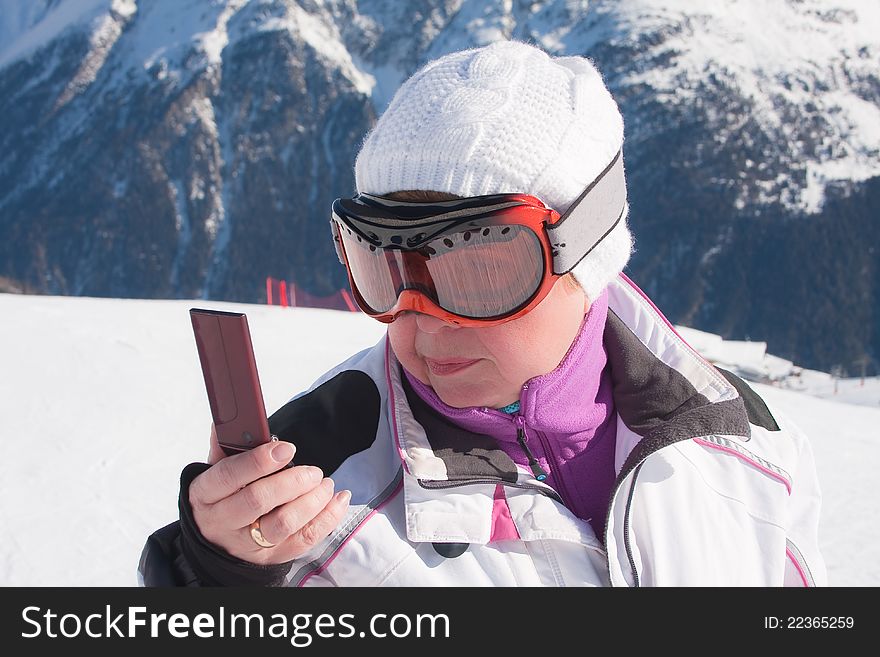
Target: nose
431, 324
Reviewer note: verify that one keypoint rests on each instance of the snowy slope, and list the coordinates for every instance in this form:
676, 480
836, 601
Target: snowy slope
103, 404
846, 442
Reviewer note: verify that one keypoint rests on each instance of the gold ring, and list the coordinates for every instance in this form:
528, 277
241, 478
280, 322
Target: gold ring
257, 535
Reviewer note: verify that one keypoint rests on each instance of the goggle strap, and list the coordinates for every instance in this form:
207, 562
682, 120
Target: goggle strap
596, 212
377, 209
368, 217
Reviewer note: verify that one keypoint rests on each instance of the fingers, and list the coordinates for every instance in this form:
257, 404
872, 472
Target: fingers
291, 517
296, 506
230, 474
261, 496
299, 525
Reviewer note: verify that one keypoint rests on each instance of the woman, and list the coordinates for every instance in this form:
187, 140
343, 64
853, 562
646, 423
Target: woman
530, 417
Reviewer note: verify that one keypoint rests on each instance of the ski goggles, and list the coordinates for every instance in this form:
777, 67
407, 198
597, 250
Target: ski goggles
474, 261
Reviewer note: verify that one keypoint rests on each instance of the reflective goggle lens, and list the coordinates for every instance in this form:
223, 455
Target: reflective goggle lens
481, 273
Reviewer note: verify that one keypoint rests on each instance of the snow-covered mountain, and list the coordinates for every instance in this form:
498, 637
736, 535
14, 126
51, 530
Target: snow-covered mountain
188, 148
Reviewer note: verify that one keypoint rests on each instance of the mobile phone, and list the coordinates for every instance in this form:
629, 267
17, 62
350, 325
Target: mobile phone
228, 364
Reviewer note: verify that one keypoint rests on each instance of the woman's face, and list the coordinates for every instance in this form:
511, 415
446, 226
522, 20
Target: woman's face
488, 366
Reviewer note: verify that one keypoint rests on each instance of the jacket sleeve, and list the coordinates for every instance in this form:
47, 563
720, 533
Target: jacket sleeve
178, 554
805, 565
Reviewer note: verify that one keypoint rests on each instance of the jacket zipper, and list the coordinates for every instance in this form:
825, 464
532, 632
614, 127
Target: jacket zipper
537, 470
551, 457
626, 541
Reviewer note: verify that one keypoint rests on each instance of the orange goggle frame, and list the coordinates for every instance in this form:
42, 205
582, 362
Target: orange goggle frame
474, 261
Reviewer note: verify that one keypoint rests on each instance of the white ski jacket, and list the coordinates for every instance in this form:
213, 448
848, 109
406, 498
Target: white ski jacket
712, 488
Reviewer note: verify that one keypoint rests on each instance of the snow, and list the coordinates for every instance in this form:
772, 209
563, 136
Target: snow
322, 34
167, 31
853, 390
803, 59
26, 26
104, 403
213, 42
386, 80
107, 31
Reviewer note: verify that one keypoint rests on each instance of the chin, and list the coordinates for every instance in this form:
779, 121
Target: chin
457, 403
460, 396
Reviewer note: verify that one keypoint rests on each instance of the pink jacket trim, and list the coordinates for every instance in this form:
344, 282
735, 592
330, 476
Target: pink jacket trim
745, 458
630, 282
503, 527
797, 567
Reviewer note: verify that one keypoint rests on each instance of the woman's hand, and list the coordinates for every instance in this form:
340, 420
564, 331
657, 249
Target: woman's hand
296, 507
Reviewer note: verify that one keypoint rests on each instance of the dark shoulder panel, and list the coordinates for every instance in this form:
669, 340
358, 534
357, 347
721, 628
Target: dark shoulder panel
759, 414
335, 420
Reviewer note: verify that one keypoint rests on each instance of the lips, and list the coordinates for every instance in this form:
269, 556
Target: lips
446, 367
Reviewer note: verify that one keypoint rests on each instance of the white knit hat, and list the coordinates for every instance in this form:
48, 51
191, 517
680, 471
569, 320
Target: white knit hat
505, 118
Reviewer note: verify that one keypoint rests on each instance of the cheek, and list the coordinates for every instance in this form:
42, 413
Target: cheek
512, 352
534, 344
402, 335
514, 359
